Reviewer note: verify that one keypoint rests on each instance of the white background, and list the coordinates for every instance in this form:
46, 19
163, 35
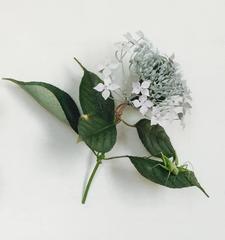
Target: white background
42, 169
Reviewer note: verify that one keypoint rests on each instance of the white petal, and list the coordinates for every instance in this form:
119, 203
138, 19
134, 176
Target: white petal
145, 84
136, 87
113, 87
143, 110
106, 94
145, 91
142, 99
107, 81
100, 87
136, 103
106, 72
148, 104
136, 90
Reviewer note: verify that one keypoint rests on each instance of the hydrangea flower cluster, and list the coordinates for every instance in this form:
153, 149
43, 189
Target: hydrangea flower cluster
158, 92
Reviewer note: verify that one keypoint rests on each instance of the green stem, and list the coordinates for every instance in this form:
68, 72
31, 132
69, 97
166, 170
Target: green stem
90, 181
122, 156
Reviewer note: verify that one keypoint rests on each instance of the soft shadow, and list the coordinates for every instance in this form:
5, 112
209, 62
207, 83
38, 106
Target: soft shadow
124, 177
130, 184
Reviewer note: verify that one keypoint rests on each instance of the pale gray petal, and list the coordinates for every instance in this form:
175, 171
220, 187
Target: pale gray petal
148, 104
145, 84
106, 94
145, 91
100, 87
142, 99
143, 110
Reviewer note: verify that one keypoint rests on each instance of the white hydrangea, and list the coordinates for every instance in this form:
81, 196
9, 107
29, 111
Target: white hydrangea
158, 91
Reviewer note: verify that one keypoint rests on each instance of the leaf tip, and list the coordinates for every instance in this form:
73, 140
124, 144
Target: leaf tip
79, 63
11, 80
7, 79
203, 190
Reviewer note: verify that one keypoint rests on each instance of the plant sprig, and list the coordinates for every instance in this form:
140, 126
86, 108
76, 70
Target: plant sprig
96, 126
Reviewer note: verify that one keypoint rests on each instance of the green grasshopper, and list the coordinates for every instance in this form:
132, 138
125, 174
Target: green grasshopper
172, 166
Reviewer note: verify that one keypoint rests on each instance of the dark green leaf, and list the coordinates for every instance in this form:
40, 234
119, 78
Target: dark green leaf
154, 138
152, 170
97, 133
97, 126
56, 101
92, 101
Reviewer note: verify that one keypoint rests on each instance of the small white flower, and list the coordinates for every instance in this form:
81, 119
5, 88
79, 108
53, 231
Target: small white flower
142, 88
143, 104
107, 68
106, 87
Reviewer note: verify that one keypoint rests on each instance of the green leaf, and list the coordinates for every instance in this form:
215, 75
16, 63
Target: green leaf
56, 101
97, 133
92, 101
151, 170
155, 139
97, 126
